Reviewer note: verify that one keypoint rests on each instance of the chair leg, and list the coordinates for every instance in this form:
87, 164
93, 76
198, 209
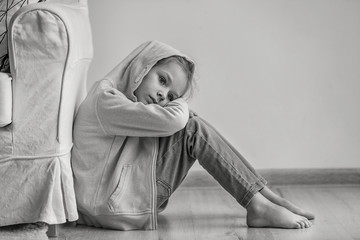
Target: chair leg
53, 230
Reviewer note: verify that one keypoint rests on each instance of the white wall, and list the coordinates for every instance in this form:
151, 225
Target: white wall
279, 78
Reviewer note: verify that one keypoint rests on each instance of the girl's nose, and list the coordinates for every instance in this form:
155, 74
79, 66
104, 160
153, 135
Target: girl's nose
161, 98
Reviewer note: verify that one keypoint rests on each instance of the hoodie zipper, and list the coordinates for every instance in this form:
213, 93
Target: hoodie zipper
153, 183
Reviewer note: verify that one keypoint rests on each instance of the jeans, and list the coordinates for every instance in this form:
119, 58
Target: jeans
199, 140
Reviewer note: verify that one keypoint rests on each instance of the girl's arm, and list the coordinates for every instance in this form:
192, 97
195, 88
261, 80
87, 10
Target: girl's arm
120, 116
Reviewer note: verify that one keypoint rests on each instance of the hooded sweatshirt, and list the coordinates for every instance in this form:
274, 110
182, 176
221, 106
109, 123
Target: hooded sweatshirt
116, 144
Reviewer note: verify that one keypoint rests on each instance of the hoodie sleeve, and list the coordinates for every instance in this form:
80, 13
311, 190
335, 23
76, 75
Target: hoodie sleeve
120, 116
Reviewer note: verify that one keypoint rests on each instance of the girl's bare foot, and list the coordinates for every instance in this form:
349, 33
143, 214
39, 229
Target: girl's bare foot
263, 213
270, 195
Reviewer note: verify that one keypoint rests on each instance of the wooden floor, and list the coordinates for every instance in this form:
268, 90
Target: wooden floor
206, 211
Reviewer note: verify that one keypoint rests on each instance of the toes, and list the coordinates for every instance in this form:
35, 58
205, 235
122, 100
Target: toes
308, 223
304, 224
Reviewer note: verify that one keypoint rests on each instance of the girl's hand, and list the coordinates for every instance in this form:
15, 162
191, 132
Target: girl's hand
192, 113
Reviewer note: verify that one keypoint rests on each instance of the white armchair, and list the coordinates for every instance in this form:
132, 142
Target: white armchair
50, 49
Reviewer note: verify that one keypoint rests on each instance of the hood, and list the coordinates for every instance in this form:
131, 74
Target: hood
129, 73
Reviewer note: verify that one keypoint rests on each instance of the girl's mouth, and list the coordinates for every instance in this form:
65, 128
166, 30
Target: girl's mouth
153, 100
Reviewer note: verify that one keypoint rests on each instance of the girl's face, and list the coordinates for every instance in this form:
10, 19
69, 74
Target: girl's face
162, 84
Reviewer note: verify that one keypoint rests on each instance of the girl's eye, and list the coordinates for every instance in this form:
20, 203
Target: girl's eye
171, 97
162, 80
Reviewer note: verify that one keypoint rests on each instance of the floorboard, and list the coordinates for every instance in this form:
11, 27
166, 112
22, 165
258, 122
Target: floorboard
208, 212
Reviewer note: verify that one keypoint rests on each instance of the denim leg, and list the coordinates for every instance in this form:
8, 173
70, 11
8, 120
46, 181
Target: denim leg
199, 140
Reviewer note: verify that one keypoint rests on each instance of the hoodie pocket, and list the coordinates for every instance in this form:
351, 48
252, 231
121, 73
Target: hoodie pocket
133, 191
116, 196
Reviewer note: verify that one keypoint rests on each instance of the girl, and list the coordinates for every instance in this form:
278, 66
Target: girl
135, 140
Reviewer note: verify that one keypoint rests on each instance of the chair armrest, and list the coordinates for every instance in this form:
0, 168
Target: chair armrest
50, 49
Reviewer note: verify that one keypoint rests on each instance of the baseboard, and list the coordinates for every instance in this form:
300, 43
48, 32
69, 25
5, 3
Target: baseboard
312, 176
200, 178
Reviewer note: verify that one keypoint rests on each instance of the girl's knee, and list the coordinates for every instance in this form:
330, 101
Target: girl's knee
193, 120
195, 123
